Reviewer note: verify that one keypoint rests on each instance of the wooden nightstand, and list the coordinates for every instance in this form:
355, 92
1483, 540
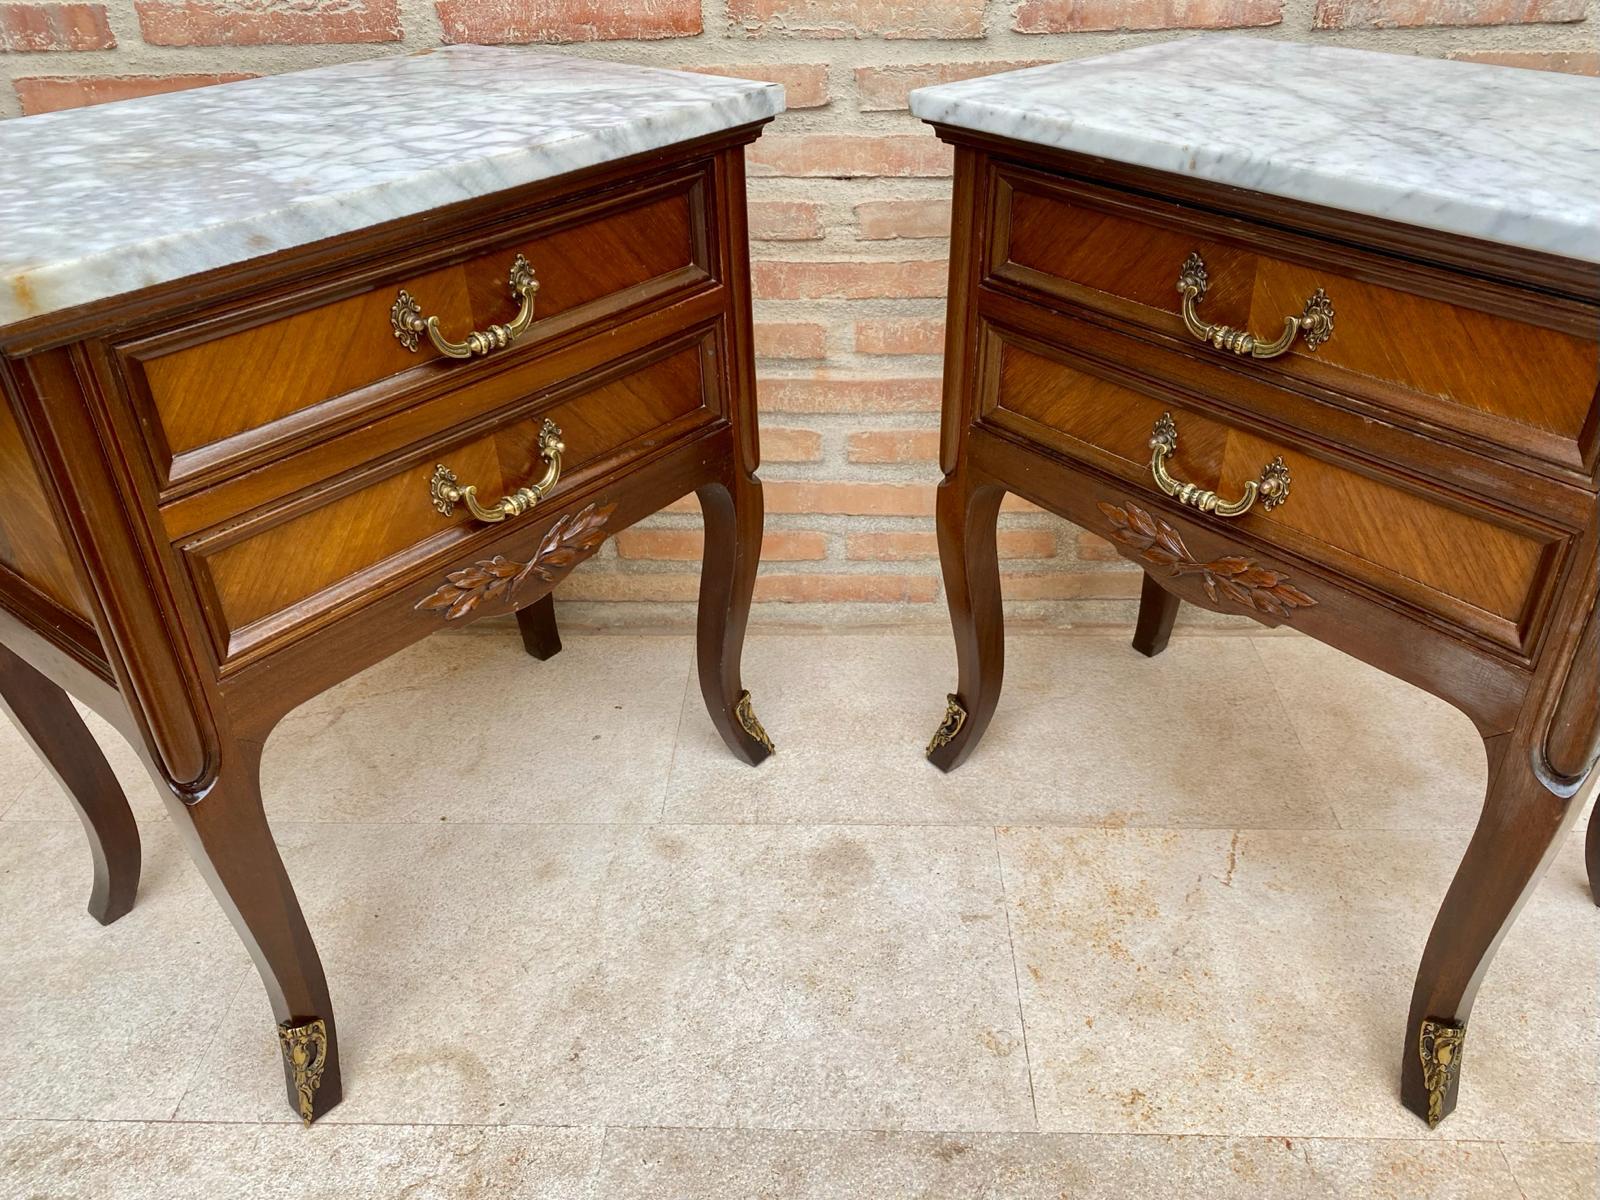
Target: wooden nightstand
1310, 335
285, 396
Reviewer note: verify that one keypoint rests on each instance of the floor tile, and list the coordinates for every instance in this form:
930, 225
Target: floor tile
42, 799
1257, 983
460, 727
1388, 755
676, 1164
467, 727
19, 767
106, 1022
1088, 733
1555, 1170
99, 1161
709, 975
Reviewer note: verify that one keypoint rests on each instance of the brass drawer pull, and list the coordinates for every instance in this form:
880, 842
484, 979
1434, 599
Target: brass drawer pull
1316, 322
1272, 488
408, 321
447, 494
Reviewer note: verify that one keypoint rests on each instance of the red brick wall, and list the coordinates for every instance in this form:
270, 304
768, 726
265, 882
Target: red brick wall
849, 208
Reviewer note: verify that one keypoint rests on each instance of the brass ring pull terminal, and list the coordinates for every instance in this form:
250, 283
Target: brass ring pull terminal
447, 493
408, 322
1272, 489
1315, 322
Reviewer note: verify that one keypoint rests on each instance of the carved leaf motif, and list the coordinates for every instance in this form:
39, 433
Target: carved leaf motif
1233, 577
571, 538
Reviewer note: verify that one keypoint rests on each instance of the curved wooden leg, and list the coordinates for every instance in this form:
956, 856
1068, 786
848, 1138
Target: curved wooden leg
1158, 609
227, 834
46, 718
537, 621
1519, 832
968, 507
733, 519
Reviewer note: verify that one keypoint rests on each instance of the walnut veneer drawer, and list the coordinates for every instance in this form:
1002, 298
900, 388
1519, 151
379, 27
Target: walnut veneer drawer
219, 395
284, 567
1480, 567
1420, 343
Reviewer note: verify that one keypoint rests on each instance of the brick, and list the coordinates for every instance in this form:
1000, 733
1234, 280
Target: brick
32, 28
894, 446
1094, 548
915, 545
1407, 14
855, 279
1071, 585
1077, 16
905, 336
793, 546
880, 220
632, 586
885, 89
849, 156
687, 545
51, 93
826, 393
267, 22
805, 85
934, 19
791, 340
672, 544
1574, 63
847, 589
851, 499
785, 221
790, 445
519, 21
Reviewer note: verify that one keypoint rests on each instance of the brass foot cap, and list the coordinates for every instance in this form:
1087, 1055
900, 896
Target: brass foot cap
750, 723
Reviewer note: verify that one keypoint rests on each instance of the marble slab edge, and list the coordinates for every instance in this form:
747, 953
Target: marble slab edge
52, 289
997, 105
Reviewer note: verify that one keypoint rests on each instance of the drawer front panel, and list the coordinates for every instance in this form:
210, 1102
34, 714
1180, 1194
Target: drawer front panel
219, 391
288, 567
1473, 565
1511, 381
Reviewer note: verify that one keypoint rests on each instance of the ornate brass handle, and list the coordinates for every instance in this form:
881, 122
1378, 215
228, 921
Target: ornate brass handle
447, 493
1315, 322
1272, 488
407, 319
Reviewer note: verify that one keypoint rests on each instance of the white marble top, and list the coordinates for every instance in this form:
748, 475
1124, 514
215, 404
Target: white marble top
97, 202
1506, 155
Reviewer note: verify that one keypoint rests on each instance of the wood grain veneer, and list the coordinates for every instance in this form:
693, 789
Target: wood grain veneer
203, 388
1442, 522
214, 496
1403, 338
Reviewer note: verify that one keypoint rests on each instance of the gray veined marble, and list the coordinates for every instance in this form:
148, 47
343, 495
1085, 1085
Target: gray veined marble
1505, 155
97, 202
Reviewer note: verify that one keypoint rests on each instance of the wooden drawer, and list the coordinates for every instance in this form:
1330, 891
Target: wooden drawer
1486, 570
222, 394
264, 578
1448, 353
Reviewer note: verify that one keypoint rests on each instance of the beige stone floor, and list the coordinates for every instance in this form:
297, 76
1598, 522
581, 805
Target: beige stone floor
1156, 939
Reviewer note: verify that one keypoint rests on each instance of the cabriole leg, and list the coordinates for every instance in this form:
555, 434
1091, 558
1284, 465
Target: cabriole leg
1158, 609
47, 719
967, 510
537, 621
227, 834
1518, 833
733, 515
